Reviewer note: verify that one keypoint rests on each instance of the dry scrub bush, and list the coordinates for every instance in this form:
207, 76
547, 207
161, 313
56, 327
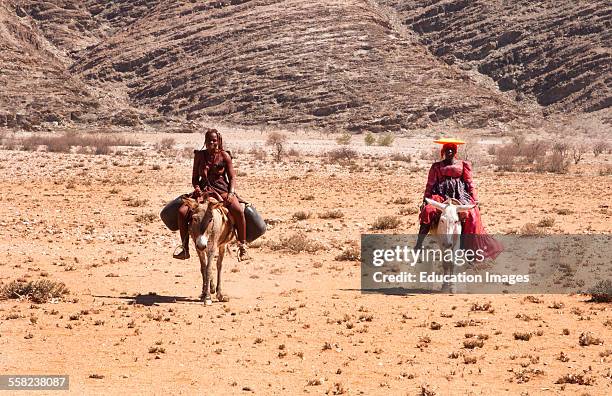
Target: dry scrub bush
331, 214
369, 139
39, 291
546, 222
146, 218
530, 229
166, 144
523, 336
555, 163
578, 379
599, 148
349, 254
400, 157
277, 140
258, 153
386, 140
100, 143
602, 291
342, 154
587, 339
577, 153
297, 242
344, 139
301, 215
606, 171
386, 223
294, 153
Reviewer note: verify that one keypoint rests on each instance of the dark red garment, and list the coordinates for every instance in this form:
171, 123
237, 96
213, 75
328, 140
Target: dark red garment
455, 181
460, 171
210, 170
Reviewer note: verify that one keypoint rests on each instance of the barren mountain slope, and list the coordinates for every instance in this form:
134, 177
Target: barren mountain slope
36, 86
557, 51
332, 64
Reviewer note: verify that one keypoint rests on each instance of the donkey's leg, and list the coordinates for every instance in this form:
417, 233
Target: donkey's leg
220, 295
451, 271
211, 256
203, 263
445, 271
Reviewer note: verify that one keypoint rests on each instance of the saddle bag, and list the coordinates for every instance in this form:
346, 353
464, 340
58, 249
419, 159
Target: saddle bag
169, 213
255, 224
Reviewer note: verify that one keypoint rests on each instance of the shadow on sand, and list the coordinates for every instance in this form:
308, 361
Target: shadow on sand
154, 299
396, 291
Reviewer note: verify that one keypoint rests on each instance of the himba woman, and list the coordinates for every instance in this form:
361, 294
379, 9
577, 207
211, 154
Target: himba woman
213, 175
452, 178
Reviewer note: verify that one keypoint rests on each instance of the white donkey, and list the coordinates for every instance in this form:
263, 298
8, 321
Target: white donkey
448, 233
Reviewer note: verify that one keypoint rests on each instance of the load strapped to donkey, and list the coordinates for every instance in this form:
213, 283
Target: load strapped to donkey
255, 225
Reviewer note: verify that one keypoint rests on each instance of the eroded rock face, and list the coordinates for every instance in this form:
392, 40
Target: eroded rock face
36, 85
336, 65
557, 52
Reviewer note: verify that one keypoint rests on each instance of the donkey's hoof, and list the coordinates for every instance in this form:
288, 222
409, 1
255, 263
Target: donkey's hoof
207, 302
222, 298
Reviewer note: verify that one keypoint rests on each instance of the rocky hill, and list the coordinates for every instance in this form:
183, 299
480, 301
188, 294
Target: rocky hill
36, 84
556, 51
337, 65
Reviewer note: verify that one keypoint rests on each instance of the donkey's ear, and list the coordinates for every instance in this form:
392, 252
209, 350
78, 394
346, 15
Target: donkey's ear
191, 203
436, 204
465, 208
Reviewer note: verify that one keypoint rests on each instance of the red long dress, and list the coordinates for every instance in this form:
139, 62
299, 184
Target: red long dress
455, 181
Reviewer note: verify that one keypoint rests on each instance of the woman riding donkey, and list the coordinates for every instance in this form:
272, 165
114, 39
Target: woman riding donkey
213, 176
452, 178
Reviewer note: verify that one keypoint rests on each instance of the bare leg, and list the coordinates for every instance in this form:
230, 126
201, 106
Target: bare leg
183, 215
240, 223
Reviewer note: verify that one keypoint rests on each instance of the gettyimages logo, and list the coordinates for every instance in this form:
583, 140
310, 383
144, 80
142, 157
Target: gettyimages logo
527, 264
410, 256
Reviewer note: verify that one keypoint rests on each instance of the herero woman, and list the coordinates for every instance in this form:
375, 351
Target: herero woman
452, 178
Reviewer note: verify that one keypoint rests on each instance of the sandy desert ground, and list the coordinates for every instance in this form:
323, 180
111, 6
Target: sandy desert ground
296, 322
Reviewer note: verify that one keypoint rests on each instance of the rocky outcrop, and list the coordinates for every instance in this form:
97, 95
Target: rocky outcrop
557, 52
335, 65
36, 85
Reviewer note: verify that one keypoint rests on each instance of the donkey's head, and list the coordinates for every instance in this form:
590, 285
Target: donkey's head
201, 220
449, 226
